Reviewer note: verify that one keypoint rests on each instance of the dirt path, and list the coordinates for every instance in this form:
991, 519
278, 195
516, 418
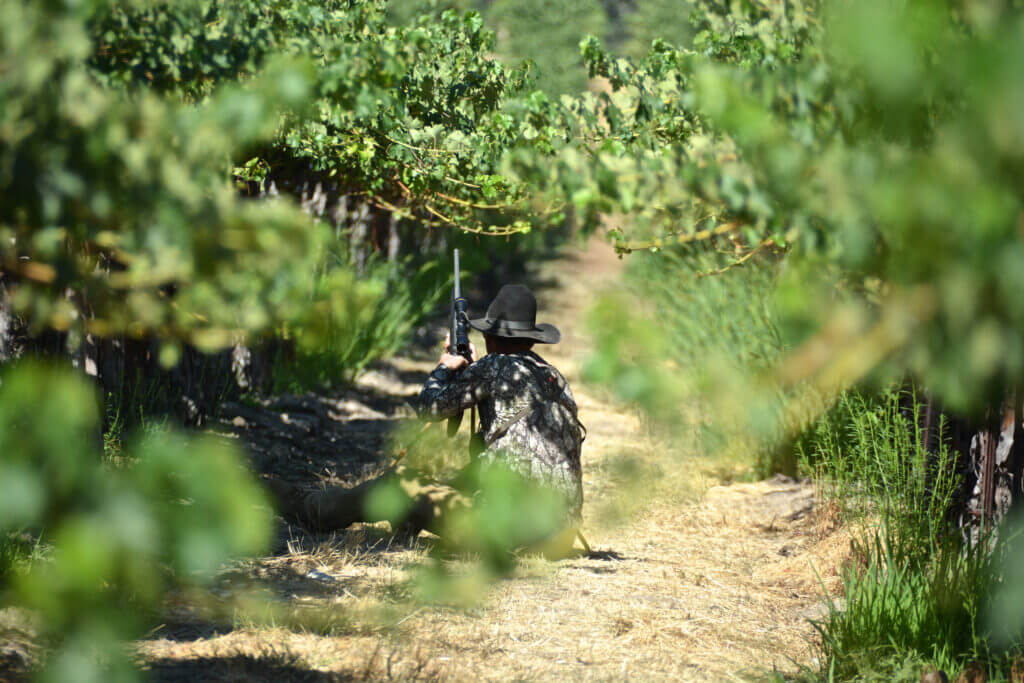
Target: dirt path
698, 582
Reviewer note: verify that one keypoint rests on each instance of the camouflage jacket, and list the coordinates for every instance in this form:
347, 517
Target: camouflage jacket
527, 417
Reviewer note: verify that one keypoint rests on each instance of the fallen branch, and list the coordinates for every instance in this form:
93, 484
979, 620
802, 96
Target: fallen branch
687, 238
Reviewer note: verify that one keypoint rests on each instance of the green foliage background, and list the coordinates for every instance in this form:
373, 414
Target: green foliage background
548, 33
667, 20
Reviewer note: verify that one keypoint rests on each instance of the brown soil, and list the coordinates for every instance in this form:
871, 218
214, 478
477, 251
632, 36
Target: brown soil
688, 580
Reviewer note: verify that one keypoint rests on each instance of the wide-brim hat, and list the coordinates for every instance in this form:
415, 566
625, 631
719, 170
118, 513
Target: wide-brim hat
513, 315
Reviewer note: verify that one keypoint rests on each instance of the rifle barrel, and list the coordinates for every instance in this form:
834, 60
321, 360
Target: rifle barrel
457, 290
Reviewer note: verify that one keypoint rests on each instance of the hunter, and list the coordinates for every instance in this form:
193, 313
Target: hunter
528, 424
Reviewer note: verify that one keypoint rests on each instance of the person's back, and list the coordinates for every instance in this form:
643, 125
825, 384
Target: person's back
528, 418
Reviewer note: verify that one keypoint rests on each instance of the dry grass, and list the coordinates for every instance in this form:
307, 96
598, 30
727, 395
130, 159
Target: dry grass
686, 592
692, 581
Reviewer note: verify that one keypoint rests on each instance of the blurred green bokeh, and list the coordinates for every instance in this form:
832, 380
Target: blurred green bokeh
548, 33
116, 537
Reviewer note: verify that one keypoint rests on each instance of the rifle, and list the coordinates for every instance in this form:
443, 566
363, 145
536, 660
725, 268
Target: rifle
459, 338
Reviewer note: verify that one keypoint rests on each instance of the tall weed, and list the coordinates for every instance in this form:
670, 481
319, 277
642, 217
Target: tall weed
916, 593
870, 460
728, 315
353, 333
712, 329
18, 549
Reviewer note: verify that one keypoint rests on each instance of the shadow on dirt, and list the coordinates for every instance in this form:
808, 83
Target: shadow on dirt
603, 555
329, 439
183, 631
273, 666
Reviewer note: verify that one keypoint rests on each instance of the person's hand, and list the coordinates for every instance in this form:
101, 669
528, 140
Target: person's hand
451, 360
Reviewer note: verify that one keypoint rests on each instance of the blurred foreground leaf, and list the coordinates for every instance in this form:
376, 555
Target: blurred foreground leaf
118, 538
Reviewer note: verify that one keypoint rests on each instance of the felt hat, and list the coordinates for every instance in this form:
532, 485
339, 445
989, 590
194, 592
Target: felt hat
513, 315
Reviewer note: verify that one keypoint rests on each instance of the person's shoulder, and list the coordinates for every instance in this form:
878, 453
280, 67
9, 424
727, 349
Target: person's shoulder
490, 363
535, 359
545, 368
506, 364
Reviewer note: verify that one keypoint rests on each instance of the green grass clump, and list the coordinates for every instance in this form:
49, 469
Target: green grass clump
870, 460
682, 340
352, 333
18, 550
729, 316
902, 608
916, 594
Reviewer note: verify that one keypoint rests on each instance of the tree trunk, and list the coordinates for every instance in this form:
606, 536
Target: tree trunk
10, 343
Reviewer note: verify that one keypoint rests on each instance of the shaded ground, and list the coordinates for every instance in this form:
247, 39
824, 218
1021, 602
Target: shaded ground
333, 439
689, 580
